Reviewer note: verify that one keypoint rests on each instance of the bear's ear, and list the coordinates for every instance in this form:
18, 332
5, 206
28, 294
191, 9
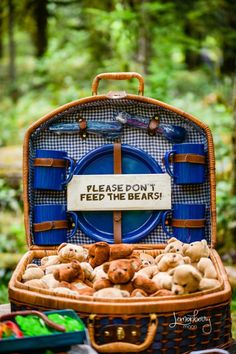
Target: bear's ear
106, 266
171, 272
204, 242
158, 258
135, 264
196, 274
32, 265
101, 244
187, 260
172, 239
185, 247
85, 252
75, 264
61, 246
56, 274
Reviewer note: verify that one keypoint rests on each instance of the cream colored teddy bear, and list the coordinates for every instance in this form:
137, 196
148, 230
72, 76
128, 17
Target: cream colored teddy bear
166, 261
185, 279
33, 271
206, 267
174, 246
66, 253
196, 250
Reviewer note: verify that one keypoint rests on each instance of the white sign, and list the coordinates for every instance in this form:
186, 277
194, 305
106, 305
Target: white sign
119, 192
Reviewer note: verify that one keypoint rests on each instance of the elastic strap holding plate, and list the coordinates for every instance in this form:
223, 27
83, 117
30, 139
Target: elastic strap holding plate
117, 215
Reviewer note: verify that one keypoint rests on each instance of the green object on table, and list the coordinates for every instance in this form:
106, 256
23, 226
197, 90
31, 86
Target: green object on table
68, 322
32, 326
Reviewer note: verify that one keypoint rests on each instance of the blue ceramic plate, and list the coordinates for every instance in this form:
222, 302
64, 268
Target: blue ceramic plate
98, 225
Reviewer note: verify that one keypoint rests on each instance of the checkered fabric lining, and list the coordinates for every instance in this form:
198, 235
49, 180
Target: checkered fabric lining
156, 146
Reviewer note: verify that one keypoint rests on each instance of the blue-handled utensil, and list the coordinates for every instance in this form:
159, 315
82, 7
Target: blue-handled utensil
173, 133
110, 130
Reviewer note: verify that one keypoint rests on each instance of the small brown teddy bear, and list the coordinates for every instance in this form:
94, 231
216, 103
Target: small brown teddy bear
101, 252
167, 261
66, 253
73, 277
120, 275
174, 246
196, 250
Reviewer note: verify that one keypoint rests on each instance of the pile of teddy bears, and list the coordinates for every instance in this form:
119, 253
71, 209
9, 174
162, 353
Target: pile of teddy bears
118, 271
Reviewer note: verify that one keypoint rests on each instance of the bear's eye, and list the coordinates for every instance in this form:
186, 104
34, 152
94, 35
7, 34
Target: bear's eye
191, 244
177, 249
92, 256
125, 269
75, 250
68, 267
175, 283
184, 285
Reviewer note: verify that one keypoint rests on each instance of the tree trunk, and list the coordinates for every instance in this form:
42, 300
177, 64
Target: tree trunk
1, 29
192, 55
40, 14
144, 40
12, 51
234, 134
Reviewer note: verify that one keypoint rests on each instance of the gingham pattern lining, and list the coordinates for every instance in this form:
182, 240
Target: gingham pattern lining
156, 146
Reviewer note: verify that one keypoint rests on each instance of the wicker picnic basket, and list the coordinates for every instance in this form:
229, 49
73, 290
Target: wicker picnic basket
173, 324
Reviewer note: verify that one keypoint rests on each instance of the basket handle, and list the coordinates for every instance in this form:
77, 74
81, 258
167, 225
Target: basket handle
124, 347
118, 76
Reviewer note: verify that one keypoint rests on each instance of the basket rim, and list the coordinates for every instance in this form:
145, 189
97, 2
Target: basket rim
29, 295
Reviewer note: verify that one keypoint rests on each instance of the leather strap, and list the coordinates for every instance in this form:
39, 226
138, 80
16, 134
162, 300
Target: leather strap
82, 128
153, 124
50, 225
190, 223
192, 158
48, 162
117, 215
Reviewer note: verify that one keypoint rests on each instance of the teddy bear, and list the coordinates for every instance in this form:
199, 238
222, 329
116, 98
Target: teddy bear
163, 280
46, 282
98, 273
121, 275
147, 272
196, 250
207, 284
174, 246
101, 252
166, 261
185, 279
72, 277
111, 293
66, 252
206, 267
146, 259
33, 271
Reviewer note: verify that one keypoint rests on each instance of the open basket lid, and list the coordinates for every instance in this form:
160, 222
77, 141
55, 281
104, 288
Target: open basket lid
151, 150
